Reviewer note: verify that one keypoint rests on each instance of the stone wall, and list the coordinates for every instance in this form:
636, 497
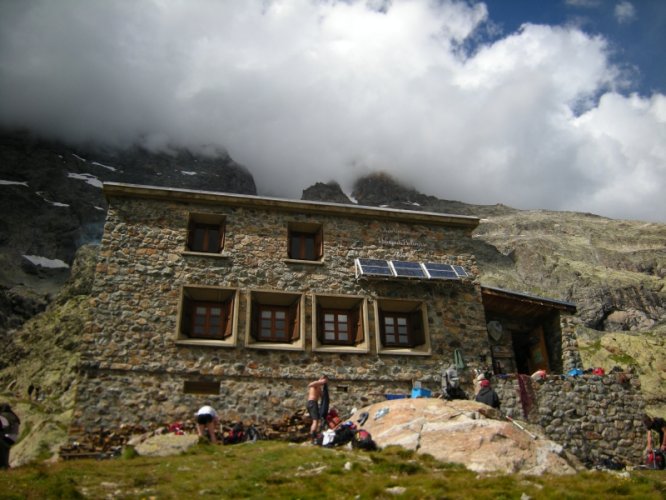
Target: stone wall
594, 417
134, 370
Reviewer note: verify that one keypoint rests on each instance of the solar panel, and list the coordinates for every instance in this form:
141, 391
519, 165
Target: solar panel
373, 267
408, 269
441, 271
460, 271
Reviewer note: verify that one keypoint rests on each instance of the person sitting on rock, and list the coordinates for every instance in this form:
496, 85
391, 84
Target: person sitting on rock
207, 420
487, 395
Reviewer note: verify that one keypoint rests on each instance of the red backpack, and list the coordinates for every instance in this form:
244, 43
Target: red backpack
655, 459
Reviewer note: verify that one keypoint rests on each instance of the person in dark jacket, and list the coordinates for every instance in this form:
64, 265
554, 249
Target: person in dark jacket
9, 432
487, 395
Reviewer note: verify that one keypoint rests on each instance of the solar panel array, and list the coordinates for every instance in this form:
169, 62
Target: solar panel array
407, 269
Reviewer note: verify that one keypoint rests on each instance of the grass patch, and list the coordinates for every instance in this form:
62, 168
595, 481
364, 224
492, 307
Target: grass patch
269, 469
623, 359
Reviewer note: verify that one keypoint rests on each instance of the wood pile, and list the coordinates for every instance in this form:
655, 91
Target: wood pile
108, 443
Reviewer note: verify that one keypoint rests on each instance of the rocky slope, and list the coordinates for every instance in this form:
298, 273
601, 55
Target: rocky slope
51, 203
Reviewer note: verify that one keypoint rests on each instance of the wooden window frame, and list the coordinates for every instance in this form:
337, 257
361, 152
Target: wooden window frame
207, 297
275, 334
289, 303
222, 330
337, 330
415, 316
355, 307
302, 234
395, 318
206, 223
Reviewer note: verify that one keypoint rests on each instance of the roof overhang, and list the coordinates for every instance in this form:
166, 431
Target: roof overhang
115, 189
521, 305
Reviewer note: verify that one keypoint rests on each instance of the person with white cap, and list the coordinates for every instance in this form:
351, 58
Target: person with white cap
207, 420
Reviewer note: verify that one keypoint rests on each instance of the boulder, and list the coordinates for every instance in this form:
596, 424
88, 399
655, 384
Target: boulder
468, 433
166, 444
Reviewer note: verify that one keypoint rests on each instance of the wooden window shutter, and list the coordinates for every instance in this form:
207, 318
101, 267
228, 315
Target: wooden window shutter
294, 320
382, 326
254, 322
186, 319
223, 232
228, 308
321, 337
190, 235
319, 243
417, 336
355, 316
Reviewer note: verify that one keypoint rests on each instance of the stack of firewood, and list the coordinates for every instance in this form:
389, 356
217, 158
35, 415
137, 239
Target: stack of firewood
107, 443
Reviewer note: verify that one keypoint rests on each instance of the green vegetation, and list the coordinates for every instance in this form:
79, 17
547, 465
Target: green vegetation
269, 469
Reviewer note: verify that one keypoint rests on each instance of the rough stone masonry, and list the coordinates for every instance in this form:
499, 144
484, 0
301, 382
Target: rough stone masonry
138, 367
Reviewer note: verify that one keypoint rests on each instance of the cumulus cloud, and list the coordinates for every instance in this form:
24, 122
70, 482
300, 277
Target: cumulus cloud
302, 91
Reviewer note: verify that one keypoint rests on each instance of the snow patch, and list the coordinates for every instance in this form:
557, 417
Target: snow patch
354, 200
113, 169
101, 209
13, 183
45, 262
79, 158
89, 179
187, 172
54, 203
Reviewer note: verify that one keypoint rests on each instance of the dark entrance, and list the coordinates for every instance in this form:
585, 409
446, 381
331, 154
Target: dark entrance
531, 337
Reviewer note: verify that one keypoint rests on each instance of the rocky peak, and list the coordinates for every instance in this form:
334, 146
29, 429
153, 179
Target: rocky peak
329, 192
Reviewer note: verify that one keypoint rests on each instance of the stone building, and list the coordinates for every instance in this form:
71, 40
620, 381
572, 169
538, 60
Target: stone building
240, 301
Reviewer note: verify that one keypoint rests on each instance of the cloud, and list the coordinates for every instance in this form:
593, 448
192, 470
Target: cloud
303, 91
624, 12
583, 3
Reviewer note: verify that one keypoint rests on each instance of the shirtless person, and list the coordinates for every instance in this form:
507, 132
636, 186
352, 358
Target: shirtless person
315, 392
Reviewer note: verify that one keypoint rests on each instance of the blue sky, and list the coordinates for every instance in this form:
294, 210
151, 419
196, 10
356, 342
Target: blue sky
537, 104
636, 30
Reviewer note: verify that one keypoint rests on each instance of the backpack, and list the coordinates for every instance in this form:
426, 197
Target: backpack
252, 434
452, 389
655, 459
363, 440
333, 419
236, 434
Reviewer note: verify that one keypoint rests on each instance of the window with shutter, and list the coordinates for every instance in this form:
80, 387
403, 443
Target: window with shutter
207, 314
305, 241
401, 327
274, 320
205, 233
340, 324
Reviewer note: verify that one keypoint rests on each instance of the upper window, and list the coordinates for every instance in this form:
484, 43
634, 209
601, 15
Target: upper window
207, 313
340, 324
205, 233
305, 241
402, 327
275, 320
